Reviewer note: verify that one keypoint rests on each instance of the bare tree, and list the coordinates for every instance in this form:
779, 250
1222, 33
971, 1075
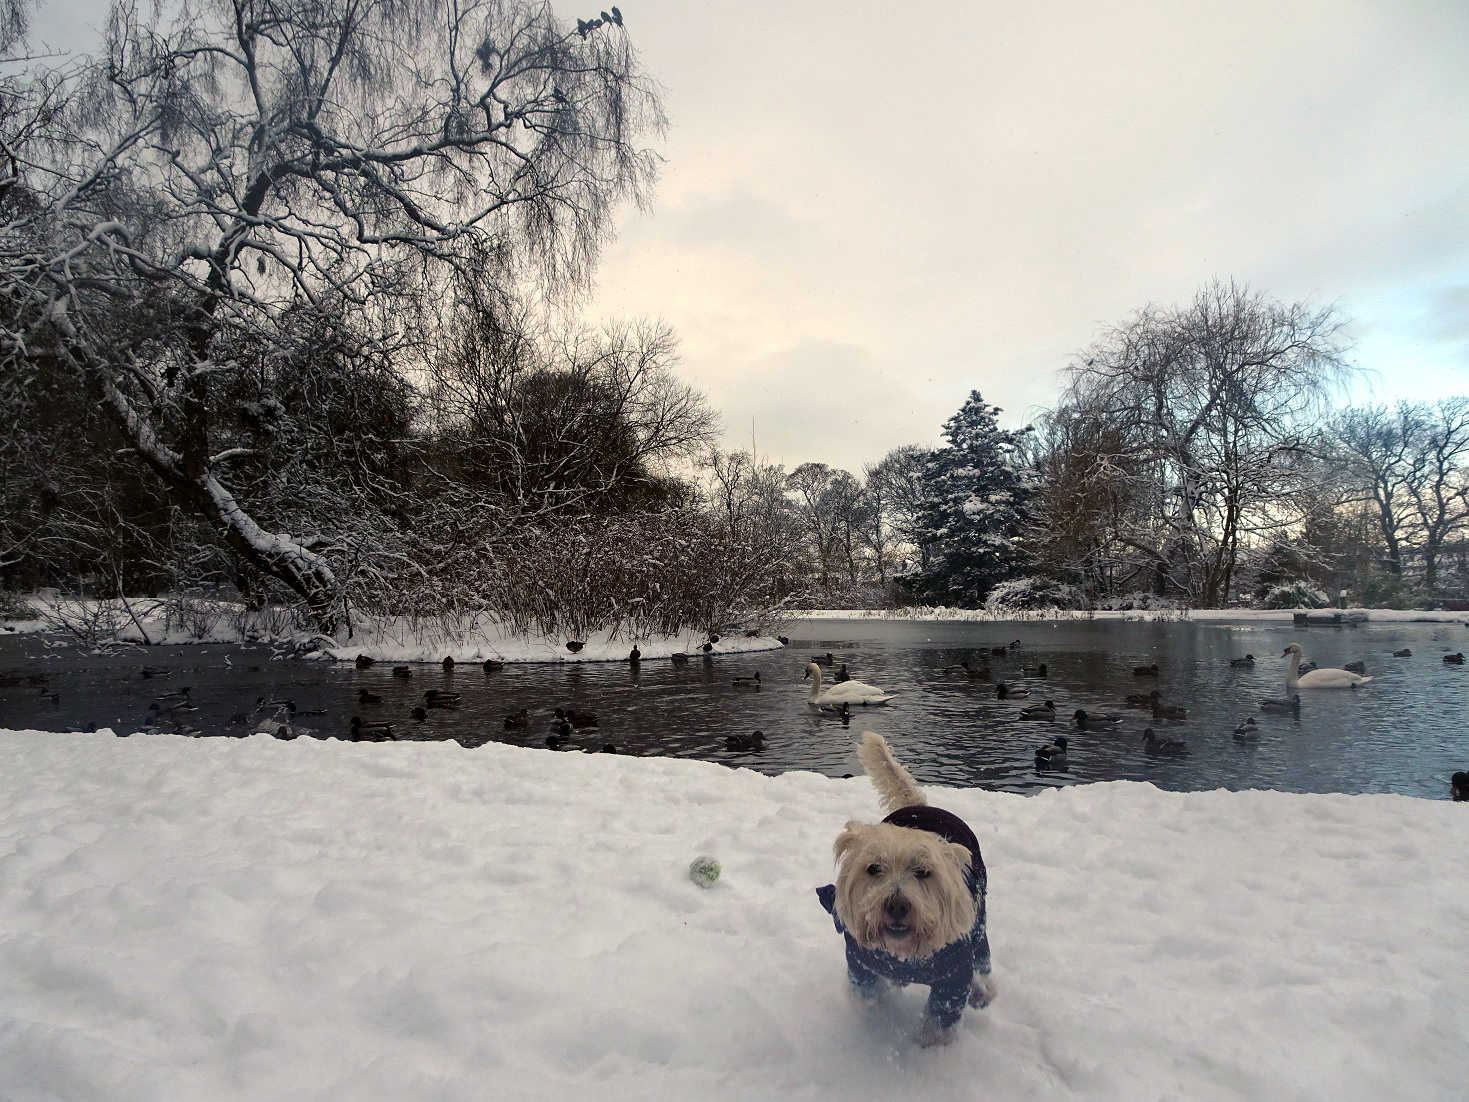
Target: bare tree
894, 495
216, 173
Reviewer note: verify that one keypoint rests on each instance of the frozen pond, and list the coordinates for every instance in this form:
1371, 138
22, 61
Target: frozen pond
1404, 732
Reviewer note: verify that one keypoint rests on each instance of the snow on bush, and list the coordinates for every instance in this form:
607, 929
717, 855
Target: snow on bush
1138, 601
1030, 593
1296, 594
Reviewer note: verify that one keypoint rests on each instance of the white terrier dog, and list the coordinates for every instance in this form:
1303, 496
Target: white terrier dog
910, 899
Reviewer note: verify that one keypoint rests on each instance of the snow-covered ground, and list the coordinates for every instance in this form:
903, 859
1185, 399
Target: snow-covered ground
252, 919
1386, 615
472, 639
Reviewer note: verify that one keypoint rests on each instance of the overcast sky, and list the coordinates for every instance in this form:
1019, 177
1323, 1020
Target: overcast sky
867, 210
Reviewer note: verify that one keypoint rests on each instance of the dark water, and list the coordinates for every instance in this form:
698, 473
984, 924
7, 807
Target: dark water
1405, 732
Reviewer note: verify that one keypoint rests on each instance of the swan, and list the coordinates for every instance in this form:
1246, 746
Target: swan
848, 692
1316, 679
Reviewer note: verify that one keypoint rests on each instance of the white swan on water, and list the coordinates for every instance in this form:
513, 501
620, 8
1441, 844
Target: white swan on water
845, 692
1316, 679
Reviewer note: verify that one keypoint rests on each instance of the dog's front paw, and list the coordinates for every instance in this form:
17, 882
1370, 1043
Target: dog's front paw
982, 991
933, 1034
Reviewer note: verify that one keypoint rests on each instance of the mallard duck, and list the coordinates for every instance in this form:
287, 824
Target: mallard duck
1290, 704
1454, 659
438, 698
1039, 711
1145, 671
1085, 719
845, 714
560, 727
1006, 692
1142, 700
363, 661
981, 674
402, 671
754, 741
1052, 755
823, 659
1247, 660
1155, 744
751, 682
557, 741
1247, 730
605, 748
517, 719
1356, 667
848, 692
841, 675
365, 697
1040, 672
577, 719
1168, 711
1316, 679
1404, 653
370, 732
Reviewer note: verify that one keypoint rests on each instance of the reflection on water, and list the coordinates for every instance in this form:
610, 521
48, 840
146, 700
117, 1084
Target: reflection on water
1405, 732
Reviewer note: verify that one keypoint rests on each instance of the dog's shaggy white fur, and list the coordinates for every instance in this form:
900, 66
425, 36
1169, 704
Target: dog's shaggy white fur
899, 890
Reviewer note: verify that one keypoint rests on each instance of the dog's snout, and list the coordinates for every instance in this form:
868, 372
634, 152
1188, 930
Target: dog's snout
897, 908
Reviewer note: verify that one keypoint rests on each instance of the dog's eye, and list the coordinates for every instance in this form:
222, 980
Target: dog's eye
874, 869
921, 874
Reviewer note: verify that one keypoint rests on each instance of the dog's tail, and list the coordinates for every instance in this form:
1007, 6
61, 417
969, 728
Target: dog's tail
895, 785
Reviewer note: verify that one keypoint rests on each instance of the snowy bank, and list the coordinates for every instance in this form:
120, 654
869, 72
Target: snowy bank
982, 615
157, 622
254, 919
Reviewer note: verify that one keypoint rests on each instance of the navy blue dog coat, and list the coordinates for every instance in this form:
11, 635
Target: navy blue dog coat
949, 972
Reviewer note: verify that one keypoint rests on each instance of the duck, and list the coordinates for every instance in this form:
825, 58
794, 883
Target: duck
574, 645
751, 682
605, 748
492, 665
845, 715
1247, 730
577, 719
708, 649
1404, 653
1316, 679
635, 656
783, 640
1145, 671
1085, 719
981, 674
1356, 667
364, 661
1005, 692
365, 697
156, 671
841, 675
679, 658
1039, 711
1142, 700
848, 692
1016, 644
1052, 755
1247, 660
1039, 672
402, 671
1308, 667
823, 659
370, 732
1153, 743
438, 698
556, 741
1169, 711
1291, 704
998, 652
517, 719
754, 741
560, 727
419, 714
1454, 659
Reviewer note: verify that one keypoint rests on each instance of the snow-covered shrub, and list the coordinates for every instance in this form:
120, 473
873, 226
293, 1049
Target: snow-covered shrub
1030, 593
15, 607
1138, 601
1296, 594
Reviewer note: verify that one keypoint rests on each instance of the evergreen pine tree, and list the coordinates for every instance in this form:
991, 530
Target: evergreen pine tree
973, 509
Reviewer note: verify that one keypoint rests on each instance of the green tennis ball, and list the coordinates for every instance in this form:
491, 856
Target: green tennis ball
703, 871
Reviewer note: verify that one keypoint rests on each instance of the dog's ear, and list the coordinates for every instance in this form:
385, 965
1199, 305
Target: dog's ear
848, 838
959, 855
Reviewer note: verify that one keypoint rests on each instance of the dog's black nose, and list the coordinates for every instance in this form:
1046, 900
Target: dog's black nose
897, 908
